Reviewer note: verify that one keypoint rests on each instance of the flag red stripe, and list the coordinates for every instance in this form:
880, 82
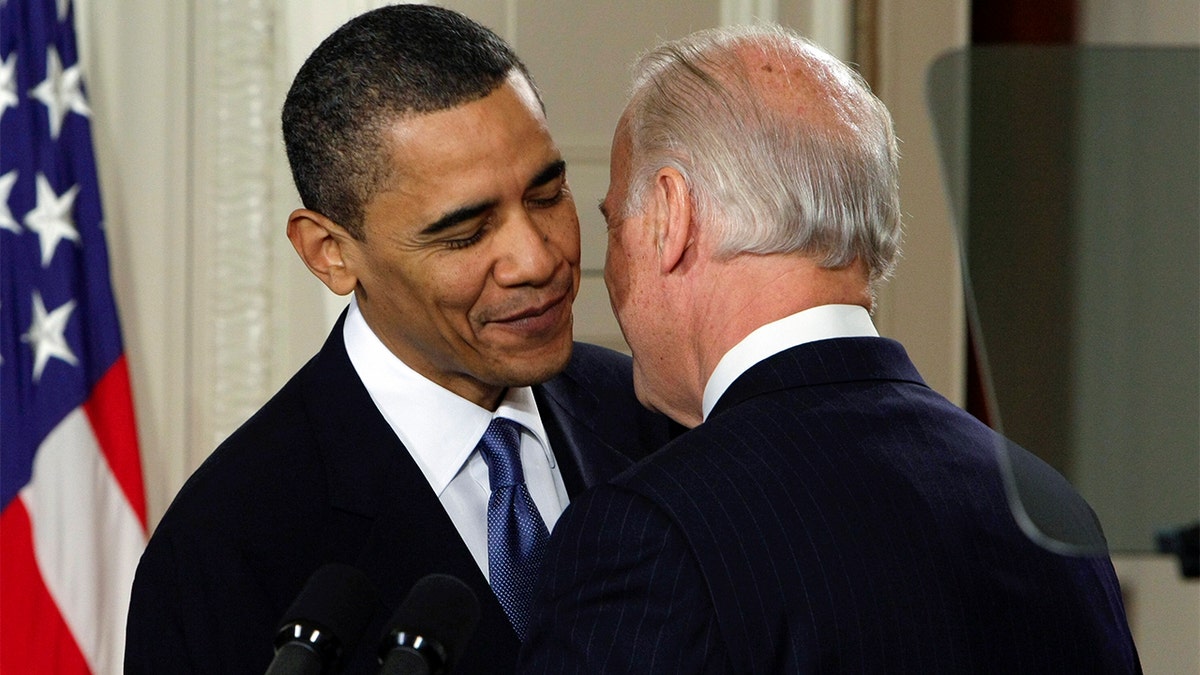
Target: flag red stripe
110, 412
33, 638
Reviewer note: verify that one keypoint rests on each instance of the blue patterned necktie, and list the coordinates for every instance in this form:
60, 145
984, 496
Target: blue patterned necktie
516, 532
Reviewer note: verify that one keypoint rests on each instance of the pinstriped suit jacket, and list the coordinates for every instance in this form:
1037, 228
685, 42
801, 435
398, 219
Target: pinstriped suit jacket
833, 514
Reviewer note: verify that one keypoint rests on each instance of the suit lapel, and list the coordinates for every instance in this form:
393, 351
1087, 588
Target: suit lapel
364, 461
370, 473
430, 544
570, 413
562, 435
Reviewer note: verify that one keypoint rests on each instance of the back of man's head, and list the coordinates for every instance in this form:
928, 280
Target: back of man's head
377, 68
784, 148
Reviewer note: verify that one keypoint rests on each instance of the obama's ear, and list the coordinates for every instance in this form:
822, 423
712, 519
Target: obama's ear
321, 244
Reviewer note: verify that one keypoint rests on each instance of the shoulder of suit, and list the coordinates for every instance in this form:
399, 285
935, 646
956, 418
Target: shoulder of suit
587, 354
672, 467
277, 434
593, 366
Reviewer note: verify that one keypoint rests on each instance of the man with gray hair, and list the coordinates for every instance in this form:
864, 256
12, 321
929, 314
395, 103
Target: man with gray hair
827, 511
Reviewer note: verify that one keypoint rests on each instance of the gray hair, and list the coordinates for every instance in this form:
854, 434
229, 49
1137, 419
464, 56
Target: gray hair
821, 181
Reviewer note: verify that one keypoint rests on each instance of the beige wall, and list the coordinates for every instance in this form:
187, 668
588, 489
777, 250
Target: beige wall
922, 307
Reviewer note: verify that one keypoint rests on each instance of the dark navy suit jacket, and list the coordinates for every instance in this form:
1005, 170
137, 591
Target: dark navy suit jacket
318, 476
832, 515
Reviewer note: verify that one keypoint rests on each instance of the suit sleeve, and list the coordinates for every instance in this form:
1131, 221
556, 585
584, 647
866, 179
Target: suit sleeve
621, 593
196, 609
154, 630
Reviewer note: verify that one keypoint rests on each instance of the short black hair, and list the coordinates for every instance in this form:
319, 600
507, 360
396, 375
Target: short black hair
380, 66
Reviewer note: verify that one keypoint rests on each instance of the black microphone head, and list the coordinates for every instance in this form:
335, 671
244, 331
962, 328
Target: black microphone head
436, 619
331, 613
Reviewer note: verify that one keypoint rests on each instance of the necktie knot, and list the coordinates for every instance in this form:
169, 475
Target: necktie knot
501, 450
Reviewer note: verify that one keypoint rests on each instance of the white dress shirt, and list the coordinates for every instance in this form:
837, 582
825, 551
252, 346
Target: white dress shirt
818, 323
441, 429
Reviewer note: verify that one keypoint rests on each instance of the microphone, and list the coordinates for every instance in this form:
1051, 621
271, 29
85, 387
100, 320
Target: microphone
427, 633
324, 622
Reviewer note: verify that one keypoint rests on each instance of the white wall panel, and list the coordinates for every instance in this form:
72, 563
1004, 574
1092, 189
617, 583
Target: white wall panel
136, 65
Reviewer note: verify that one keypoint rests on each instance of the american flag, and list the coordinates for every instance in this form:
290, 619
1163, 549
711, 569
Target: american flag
74, 519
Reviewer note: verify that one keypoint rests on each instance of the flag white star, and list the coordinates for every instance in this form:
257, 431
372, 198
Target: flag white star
53, 218
6, 185
8, 83
61, 91
46, 335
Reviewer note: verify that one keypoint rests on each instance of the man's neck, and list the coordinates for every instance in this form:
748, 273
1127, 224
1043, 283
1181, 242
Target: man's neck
750, 291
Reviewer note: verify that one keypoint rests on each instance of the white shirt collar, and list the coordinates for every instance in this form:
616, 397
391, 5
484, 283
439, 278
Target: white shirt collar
439, 428
818, 323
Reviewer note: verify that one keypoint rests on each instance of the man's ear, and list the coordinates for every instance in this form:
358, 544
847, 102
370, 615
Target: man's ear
672, 218
321, 244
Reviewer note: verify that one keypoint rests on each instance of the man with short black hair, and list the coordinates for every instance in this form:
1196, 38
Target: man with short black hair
449, 418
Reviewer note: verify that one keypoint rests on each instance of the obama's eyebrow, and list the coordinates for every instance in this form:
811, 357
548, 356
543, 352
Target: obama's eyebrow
458, 216
553, 171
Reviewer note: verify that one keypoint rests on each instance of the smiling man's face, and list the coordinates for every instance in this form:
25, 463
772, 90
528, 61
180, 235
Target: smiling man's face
470, 261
